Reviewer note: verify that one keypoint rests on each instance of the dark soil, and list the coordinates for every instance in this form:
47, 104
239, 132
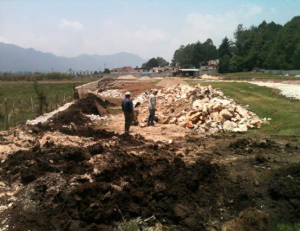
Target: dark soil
74, 119
87, 104
73, 188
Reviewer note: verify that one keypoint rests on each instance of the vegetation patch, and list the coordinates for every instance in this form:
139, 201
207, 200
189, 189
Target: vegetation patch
265, 103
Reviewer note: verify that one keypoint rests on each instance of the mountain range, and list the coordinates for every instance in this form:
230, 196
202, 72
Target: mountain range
14, 58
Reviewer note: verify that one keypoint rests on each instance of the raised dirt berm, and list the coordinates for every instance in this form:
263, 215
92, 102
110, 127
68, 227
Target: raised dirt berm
171, 81
82, 90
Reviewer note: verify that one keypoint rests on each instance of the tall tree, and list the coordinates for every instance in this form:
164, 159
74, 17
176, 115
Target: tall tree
225, 55
162, 62
150, 64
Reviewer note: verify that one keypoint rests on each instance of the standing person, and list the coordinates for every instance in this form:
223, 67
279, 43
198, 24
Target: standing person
127, 108
152, 107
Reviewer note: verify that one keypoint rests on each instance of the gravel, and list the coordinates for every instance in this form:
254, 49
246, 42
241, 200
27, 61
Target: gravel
288, 90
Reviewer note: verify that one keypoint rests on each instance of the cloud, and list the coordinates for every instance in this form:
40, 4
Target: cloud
202, 26
71, 24
252, 10
273, 10
112, 37
4, 40
147, 34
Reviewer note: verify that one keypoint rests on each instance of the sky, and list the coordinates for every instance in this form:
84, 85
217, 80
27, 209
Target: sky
148, 28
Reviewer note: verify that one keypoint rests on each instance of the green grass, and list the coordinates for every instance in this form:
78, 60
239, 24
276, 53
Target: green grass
249, 76
25, 90
288, 226
265, 103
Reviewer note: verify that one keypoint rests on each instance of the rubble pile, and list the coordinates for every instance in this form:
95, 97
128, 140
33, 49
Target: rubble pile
203, 109
45, 117
111, 93
95, 118
141, 98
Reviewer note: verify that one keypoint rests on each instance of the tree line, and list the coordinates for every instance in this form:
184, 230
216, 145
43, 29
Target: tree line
267, 46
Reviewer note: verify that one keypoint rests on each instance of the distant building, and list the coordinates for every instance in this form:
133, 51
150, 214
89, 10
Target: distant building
140, 69
164, 69
189, 72
123, 70
211, 65
215, 62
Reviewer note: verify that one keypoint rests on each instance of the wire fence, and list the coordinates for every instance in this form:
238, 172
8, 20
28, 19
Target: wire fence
18, 111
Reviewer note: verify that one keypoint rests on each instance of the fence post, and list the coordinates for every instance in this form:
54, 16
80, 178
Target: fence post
21, 109
14, 115
56, 101
51, 103
32, 107
64, 101
5, 115
74, 90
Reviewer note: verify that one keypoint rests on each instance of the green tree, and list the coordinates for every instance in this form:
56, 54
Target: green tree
224, 64
106, 71
192, 54
150, 64
162, 62
225, 55
236, 64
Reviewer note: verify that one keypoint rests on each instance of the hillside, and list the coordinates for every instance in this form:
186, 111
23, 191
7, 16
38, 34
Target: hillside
14, 58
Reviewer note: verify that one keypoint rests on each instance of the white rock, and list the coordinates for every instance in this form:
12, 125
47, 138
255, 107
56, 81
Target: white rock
243, 112
241, 128
229, 126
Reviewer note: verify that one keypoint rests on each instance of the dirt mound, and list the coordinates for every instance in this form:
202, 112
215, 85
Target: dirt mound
91, 188
285, 192
146, 78
127, 77
171, 81
74, 118
87, 105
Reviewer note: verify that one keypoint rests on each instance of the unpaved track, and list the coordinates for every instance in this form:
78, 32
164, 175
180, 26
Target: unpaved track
288, 90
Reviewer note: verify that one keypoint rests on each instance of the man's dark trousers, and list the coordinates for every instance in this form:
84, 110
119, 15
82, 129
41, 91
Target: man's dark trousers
151, 117
128, 120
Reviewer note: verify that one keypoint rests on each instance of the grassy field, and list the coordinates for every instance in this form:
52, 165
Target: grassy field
25, 90
265, 102
249, 76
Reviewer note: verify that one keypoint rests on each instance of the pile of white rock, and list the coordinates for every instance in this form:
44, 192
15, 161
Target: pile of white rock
111, 94
204, 109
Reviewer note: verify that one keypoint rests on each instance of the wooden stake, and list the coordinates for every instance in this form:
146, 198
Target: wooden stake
14, 115
32, 107
74, 90
21, 109
5, 115
51, 103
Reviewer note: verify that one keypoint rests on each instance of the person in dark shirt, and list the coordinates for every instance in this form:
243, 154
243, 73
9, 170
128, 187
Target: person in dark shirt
127, 108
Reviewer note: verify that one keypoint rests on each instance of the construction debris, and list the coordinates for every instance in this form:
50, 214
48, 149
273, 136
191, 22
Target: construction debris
111, 93
203, 109
45, 117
